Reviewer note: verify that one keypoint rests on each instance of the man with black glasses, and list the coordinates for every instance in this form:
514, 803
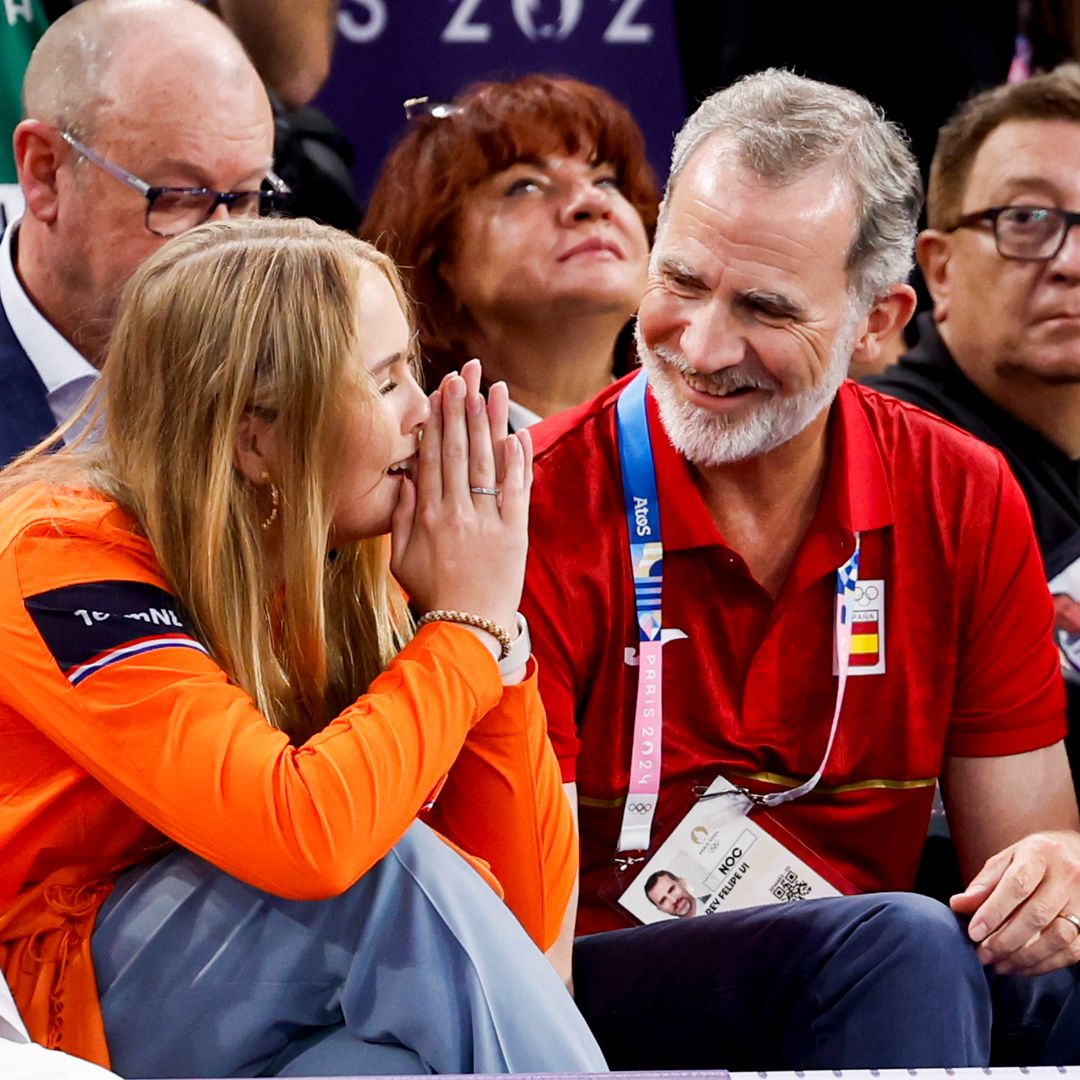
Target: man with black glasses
143, 119
1000, 354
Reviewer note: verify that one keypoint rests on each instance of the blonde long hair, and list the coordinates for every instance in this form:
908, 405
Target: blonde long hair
230, 317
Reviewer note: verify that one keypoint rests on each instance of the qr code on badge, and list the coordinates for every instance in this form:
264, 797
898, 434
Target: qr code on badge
789, 886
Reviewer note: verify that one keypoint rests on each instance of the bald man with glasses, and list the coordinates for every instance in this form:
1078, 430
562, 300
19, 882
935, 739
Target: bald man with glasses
1000, 354
143, 119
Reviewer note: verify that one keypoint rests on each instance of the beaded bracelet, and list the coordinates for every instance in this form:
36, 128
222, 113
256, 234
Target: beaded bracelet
468, 619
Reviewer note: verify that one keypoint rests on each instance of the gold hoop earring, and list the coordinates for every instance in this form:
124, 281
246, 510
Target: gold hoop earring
275, 499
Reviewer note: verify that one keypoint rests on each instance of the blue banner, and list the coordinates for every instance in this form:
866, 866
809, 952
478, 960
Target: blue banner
390, 50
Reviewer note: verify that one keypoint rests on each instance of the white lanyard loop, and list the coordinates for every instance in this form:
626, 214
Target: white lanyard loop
847, 579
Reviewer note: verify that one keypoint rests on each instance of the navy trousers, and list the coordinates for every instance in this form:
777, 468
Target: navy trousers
417, 968
886, 980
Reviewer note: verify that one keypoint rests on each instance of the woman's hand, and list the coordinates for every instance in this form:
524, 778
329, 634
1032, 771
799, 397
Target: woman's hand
456, 548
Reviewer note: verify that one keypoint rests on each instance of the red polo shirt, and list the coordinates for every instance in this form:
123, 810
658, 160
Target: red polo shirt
962, 617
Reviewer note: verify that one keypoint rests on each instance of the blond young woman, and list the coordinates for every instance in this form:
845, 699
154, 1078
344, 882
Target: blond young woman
227, 753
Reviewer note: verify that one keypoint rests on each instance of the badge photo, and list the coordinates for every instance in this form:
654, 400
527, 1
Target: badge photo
720, 858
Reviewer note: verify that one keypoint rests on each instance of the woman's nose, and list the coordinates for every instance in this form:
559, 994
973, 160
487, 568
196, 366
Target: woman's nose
585, 202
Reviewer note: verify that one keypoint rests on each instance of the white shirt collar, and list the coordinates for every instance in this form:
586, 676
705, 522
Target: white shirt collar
520, 417
66, 373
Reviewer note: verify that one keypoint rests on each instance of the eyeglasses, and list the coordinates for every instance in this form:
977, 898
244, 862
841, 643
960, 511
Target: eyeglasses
1035, 233
173, 210
417, 108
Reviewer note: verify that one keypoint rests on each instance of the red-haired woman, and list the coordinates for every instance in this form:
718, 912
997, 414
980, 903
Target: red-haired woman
521, 215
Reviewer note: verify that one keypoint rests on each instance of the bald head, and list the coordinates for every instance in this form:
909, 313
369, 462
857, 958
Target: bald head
99, 54
160, 89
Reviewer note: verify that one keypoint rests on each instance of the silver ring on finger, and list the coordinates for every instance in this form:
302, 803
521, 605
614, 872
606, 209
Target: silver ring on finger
496, 492
1074, 919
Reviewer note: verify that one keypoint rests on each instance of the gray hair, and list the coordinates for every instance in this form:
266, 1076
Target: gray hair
781, 126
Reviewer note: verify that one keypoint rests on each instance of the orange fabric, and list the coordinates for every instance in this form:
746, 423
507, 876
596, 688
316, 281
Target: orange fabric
161, 748
502, 799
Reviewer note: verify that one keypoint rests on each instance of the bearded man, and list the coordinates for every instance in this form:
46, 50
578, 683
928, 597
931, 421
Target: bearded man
745, 568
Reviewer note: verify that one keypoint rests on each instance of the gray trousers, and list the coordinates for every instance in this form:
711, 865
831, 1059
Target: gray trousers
416, 968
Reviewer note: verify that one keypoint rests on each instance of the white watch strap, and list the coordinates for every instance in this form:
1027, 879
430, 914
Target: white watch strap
520, 648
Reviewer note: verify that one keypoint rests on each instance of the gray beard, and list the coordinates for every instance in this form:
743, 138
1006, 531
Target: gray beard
708, 440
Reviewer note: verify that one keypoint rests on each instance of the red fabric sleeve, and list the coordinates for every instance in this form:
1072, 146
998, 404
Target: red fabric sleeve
551, 627
1010, 697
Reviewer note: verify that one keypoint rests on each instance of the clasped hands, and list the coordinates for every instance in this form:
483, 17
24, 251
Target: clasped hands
455, 545
1018, 903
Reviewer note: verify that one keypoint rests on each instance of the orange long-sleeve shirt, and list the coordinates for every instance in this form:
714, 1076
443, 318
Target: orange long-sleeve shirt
109, 759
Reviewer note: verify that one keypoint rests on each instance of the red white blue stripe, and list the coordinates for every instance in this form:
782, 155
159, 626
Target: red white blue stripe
133, 648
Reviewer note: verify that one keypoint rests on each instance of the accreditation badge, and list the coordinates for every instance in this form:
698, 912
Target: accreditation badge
722, 857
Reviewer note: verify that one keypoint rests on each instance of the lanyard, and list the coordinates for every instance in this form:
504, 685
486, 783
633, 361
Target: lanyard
646, 564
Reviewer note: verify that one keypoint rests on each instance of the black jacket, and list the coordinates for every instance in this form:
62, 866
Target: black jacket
928, 376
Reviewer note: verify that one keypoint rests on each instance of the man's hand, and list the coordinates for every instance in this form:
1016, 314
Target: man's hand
1016, 902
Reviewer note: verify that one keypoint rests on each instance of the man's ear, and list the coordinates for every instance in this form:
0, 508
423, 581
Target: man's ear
39, 152
933, 250
883, 322
253, 452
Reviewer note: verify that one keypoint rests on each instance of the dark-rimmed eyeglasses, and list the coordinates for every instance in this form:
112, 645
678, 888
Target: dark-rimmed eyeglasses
173, 210
1034, 233
420, 108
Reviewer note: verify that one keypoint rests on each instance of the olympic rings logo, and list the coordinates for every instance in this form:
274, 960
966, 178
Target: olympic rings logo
866, 594
639, 807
